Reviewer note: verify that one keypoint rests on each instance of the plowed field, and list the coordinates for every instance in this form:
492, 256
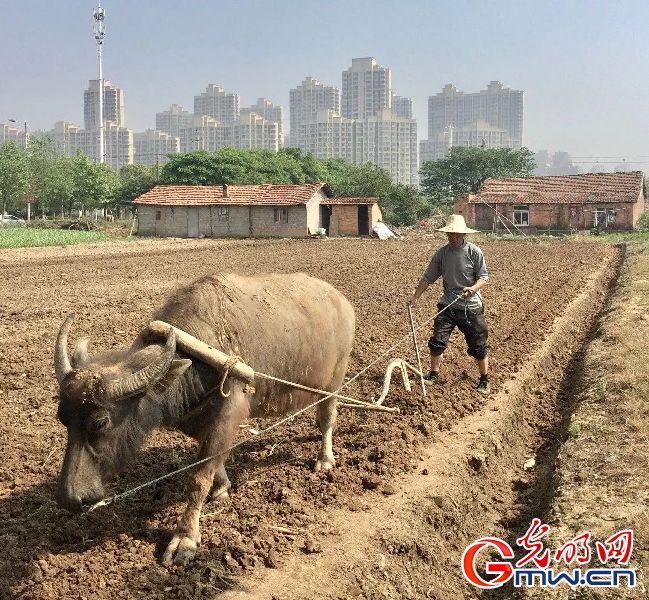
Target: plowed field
114, 552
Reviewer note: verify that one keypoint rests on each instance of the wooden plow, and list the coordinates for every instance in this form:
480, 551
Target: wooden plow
227, 364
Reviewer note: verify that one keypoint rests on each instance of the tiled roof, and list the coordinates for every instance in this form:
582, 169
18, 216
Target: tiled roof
568, 189
202, 195
343, 200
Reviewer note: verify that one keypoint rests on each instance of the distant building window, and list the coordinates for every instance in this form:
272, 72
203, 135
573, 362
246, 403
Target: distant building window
224, 213
281, 214
603, 217
158, 215
521, 216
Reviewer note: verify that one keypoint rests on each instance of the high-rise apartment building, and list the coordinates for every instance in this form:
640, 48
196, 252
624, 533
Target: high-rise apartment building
390, 142
118, 142
113, 108
174, 119
306, 101
328, 135
270, 112
366, 90
152, 146
366, 123
401, 106
249, 131
215, 102
11, 133
199, 134
491, 118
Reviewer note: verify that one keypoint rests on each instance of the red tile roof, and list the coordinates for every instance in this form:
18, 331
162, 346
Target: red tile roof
201, 195
343, 200
563, 189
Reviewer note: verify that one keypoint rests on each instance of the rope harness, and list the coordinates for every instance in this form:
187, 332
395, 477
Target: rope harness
256, 433
227, 367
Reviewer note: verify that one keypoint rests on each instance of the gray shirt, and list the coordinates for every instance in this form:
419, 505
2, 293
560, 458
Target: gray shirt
459, 268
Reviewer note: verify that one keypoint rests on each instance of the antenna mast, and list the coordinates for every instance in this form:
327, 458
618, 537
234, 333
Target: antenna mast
100, 33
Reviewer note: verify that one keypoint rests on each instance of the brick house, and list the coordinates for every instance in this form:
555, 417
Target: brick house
241, 211
556, 203
351, 216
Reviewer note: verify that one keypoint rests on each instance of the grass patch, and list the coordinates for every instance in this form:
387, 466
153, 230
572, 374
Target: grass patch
25, 237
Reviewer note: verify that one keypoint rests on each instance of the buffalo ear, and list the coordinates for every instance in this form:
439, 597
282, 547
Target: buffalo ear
178, 367
80, 355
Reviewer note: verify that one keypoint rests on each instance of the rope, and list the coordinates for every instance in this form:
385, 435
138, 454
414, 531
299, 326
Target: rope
263, 432
229, 364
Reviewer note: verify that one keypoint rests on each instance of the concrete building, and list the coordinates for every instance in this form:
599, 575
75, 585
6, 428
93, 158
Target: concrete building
612, 201
118, 145
113, 108
250, 131
199, 134
152, 146
118, 142
65, 137
366, 89
389, 142
270, 112
174, 119
359, 126
328, 135
491, 118
306, 101
215, 102
402, 106
479, 134
11, 133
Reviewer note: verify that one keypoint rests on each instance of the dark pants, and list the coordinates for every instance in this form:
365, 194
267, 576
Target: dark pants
471, 323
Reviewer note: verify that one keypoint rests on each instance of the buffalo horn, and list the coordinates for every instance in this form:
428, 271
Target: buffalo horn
62, 364
146, 377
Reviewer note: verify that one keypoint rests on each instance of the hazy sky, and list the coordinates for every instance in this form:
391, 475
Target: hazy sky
582, 64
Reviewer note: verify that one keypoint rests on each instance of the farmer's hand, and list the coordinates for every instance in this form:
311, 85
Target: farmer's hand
467, 292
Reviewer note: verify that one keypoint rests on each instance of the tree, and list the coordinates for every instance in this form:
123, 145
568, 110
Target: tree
464, 170
93, 184
50, 176
134, 180
13, 176
405, 205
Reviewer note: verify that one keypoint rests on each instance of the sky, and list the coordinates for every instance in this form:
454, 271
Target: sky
582, 64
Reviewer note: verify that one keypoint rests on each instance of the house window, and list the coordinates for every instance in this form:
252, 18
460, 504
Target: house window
158, 215
281, 214
603, 217
521, 216
223, 213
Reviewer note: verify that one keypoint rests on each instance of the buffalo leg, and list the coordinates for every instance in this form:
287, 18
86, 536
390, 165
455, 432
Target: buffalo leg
327, 421
234, 411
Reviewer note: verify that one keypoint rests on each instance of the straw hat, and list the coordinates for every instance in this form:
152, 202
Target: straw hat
456, 224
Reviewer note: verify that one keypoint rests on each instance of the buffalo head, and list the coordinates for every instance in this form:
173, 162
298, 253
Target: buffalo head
108, 404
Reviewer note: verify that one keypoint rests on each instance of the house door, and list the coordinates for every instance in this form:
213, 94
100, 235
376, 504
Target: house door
325, 217
363, 218
192, 221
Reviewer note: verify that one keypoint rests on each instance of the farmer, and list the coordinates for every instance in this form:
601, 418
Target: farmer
462, 267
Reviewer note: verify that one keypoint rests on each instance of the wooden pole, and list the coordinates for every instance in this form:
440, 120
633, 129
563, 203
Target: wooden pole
201, 350
414, 340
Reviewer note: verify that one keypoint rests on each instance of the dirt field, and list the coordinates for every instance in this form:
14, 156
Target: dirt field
114, 552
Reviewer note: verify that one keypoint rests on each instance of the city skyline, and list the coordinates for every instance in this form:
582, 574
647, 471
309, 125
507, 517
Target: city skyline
577, 97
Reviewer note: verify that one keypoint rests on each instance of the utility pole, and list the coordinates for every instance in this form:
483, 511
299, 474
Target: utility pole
100, 33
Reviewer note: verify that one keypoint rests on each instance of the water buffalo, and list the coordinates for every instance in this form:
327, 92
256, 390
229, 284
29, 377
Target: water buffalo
294, 327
